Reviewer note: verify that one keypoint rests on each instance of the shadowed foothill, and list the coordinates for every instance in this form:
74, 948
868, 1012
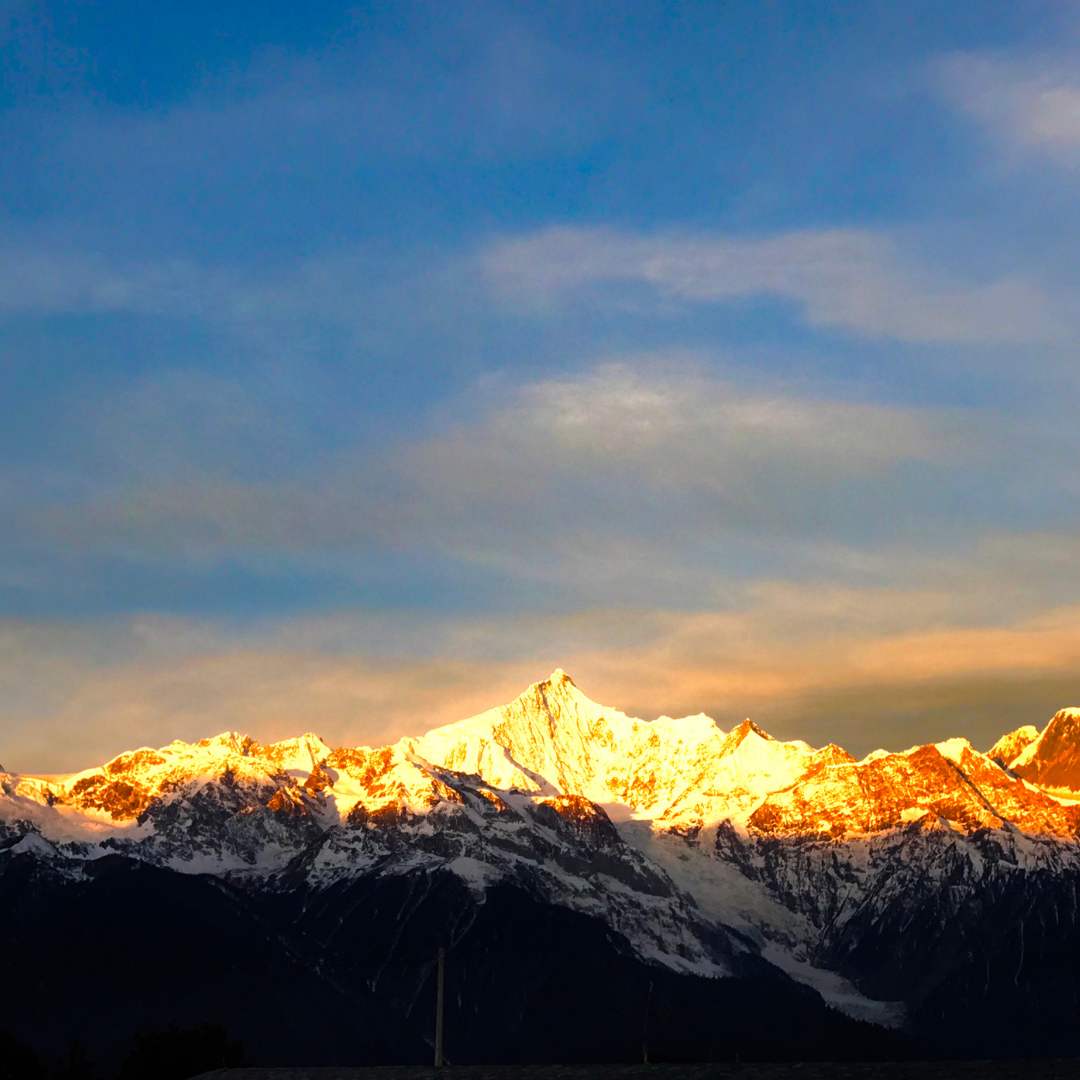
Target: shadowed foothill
953, 1070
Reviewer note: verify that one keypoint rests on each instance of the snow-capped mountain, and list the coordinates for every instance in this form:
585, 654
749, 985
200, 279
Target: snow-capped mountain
930, 890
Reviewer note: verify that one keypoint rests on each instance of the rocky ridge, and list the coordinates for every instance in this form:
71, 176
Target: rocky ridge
700, 847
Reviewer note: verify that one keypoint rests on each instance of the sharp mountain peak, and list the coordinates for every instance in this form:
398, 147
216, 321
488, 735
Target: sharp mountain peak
555, 741
670, 830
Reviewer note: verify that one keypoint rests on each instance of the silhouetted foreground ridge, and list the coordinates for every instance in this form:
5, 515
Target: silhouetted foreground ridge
915, 1070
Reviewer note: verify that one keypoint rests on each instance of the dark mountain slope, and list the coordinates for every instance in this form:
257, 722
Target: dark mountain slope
134, 947
346, 977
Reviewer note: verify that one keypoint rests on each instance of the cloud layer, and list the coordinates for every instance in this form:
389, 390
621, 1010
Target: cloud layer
358, 368
849, 279
1031, 103
579, 482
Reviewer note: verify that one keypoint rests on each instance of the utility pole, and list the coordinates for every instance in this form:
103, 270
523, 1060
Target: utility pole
645, 1027
439, 1008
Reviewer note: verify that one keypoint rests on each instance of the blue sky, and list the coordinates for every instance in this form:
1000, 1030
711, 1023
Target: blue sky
360, 364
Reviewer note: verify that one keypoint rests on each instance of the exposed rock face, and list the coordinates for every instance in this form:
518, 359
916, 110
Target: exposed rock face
704, 849
1053, 759
553, 739
1008, 747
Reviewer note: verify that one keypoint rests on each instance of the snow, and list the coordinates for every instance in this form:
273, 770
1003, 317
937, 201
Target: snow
1027, 755
553, 739
954, 750
1034, 749
463, 797
478, 875
719, 889
836, 990
32, 844
874, 755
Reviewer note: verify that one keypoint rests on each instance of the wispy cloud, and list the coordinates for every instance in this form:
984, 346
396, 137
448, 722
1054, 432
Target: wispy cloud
582, 481
856, 281
678, 428
43, 281
844, 278
1030, 104
627, 460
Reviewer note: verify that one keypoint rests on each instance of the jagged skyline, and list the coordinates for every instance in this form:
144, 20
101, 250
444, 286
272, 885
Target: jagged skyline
710, 855
680, 774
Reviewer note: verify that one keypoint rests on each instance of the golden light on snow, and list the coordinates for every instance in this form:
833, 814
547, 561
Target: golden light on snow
816, 677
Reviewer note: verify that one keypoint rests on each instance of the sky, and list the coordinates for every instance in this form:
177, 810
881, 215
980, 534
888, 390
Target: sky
361, 364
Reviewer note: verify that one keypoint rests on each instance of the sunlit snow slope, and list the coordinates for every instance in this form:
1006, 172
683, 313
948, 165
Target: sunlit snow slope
699, 846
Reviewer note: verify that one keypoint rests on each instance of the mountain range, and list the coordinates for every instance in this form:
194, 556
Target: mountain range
603, 885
